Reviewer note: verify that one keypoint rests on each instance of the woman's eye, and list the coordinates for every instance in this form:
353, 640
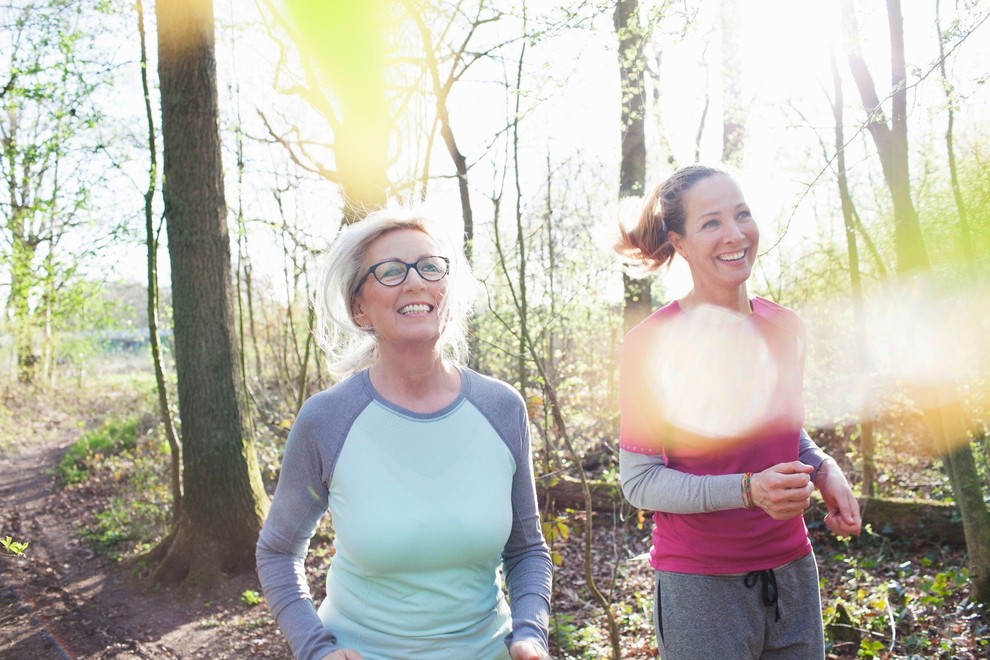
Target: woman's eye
710, 224
390, 271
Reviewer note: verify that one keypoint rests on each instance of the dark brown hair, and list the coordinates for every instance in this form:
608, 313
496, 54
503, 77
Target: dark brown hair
645, 246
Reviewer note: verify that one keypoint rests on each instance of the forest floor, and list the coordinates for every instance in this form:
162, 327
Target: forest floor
63, 599
66, 597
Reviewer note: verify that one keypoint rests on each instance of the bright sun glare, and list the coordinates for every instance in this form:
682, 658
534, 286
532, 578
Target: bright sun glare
921, 346
715, 371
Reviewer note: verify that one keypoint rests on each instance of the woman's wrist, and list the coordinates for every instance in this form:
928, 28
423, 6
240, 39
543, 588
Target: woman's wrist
747, 491
827, 464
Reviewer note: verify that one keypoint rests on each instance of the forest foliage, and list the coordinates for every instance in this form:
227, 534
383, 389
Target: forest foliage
503, 119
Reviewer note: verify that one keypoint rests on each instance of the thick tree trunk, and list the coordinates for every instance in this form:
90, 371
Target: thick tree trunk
224, 502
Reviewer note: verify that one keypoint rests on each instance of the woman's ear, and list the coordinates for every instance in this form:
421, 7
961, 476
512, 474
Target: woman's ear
357, 313
675, 239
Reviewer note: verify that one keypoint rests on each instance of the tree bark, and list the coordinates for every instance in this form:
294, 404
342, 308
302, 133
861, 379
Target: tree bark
224, 503
441, 90
637, 302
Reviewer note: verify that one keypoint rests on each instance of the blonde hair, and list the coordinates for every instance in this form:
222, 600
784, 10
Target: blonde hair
646, 247
348, 347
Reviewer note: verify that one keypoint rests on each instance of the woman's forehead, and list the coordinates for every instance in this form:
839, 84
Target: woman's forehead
712, 194
405, 244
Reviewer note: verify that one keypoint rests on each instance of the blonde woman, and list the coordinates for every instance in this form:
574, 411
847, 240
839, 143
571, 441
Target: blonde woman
423, 464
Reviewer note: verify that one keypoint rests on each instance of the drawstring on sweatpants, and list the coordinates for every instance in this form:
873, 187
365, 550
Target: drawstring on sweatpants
768, 585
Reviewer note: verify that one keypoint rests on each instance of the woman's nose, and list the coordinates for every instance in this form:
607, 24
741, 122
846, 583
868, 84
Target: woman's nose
732, 233
414, 280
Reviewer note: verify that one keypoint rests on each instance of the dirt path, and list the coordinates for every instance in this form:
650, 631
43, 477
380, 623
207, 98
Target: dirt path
63, 601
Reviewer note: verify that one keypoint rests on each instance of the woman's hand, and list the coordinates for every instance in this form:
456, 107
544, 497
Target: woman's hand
783, 490
526, 649
343, 654
843, 517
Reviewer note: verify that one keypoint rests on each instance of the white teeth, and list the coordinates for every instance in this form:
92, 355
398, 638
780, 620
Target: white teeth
415, 309
732, 257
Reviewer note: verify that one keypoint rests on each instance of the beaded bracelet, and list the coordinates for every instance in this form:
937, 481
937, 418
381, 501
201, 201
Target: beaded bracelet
747, 491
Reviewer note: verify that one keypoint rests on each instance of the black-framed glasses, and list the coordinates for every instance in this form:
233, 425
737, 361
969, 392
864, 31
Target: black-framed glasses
393, 272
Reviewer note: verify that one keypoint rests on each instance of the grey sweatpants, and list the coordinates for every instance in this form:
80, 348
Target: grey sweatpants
700, 617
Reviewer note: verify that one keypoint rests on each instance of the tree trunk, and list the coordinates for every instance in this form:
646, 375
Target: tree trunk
662, 144
855, 283
733, 108
966, 235
947, 424
521, 362
441, 90
151, 242
637, 302
22, 256
891, 141
224, 502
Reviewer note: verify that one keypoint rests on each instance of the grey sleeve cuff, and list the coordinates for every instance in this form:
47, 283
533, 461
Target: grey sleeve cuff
810, 454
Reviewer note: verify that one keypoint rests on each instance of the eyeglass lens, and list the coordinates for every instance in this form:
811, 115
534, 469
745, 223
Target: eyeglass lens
393, 273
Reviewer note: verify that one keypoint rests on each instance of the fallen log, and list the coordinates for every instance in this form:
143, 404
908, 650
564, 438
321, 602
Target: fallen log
561, 493
896, 517
928, 519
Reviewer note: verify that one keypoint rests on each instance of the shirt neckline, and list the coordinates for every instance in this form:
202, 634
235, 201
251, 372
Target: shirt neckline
435, 414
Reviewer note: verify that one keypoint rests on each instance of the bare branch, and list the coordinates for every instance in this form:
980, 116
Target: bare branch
302, 159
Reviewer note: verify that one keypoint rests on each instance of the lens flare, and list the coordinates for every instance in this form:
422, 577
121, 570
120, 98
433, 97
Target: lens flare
708, 377
919, 348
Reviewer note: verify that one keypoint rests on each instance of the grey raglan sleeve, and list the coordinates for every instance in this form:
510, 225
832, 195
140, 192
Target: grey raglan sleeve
526, 558
300, 501
649, 484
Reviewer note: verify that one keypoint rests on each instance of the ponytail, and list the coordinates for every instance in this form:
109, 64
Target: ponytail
646, 247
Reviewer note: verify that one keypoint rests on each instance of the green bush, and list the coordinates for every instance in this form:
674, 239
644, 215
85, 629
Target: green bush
113, 437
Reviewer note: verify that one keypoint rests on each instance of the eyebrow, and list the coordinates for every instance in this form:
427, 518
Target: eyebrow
717, 212
422, 256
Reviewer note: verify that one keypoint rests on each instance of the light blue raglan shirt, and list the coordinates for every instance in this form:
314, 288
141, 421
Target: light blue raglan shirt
425, 509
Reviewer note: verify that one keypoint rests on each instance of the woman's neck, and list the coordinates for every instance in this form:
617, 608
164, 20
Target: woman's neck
417, 381
735, 300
